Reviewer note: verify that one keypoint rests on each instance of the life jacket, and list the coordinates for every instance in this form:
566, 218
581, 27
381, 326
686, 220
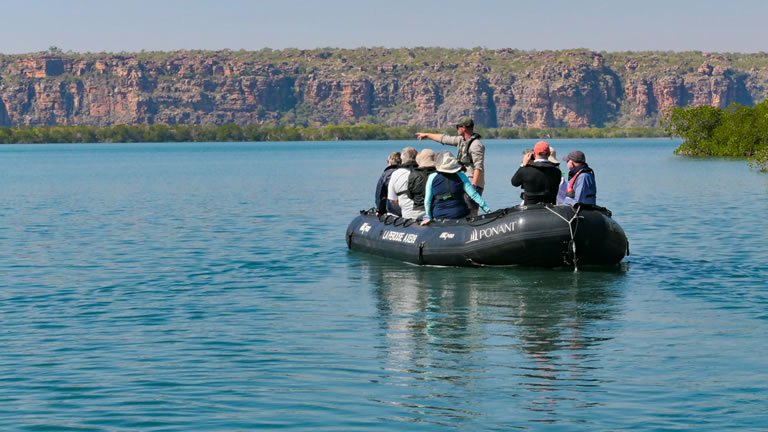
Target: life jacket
417, 183
448, 197
381, 188
464, 156
569, 192
410, 166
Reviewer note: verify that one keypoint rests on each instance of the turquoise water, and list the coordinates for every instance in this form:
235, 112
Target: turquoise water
170, 287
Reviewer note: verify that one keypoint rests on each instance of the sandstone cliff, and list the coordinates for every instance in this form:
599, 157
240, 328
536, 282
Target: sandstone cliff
429, 87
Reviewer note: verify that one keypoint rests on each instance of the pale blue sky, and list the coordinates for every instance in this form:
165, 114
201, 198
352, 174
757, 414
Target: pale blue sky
162, 25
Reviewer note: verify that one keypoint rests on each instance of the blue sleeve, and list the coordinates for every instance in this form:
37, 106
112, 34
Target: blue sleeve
472, 192
578, 189
581, 188
428, 196
588, 190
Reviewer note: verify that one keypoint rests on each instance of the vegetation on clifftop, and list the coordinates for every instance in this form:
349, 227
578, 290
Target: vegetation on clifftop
396, 87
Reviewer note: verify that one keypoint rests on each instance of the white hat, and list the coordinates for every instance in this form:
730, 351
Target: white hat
553, 156
446, 163
426, 158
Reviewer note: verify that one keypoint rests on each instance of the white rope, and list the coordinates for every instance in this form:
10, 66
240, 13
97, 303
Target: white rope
570, 229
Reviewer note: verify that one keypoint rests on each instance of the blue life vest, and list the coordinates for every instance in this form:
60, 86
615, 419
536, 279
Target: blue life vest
448, 197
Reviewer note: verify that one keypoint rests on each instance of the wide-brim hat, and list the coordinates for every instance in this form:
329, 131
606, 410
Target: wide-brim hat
446, 163
426, 158
553, 156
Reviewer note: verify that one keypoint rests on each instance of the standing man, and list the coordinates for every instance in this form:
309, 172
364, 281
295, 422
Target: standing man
581, 186
538, 176
470, 154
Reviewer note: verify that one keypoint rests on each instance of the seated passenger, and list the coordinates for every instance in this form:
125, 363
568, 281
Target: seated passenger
382, 203
581, 186
397, 192
445, 189
417, 182
539, 178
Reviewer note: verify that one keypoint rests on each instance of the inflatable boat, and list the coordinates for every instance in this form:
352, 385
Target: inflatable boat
539, 235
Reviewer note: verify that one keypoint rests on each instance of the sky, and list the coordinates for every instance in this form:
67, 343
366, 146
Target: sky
167, 25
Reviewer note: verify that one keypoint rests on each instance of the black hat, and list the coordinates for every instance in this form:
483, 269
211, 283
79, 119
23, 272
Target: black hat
576, 156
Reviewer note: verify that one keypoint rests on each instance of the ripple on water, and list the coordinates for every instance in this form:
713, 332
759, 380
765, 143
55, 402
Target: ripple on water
201, 287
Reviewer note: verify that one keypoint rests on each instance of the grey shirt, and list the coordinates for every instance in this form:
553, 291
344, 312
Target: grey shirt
472, 158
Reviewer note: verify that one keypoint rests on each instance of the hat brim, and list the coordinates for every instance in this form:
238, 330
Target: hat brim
449, 169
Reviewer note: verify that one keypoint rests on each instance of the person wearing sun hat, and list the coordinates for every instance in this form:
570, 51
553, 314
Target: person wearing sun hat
417, 181
538, 176
470, 153
553, 156
445, 190
581, 186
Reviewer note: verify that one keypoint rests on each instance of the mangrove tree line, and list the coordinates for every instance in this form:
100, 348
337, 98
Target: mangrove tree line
233, 132
736, 131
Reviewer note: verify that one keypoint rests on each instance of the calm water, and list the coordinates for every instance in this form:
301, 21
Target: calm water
175, 287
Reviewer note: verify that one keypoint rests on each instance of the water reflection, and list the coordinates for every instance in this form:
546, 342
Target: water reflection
518, 334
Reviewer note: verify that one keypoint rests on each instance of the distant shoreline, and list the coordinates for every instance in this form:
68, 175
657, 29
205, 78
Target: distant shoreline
260, 133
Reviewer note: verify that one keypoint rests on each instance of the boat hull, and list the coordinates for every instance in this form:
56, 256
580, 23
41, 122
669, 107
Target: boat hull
538, 235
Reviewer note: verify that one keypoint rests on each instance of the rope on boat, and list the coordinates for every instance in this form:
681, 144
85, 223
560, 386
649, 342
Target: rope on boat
390, 219
485, 220
571, 230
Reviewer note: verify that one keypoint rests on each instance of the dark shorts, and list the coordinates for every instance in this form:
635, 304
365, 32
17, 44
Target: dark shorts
470, 202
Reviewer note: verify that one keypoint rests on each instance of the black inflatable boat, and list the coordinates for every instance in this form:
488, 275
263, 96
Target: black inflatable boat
536, 235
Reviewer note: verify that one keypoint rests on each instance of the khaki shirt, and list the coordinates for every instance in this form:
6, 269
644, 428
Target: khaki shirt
473, 159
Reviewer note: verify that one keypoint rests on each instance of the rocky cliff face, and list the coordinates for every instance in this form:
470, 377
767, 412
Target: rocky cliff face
429, 87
